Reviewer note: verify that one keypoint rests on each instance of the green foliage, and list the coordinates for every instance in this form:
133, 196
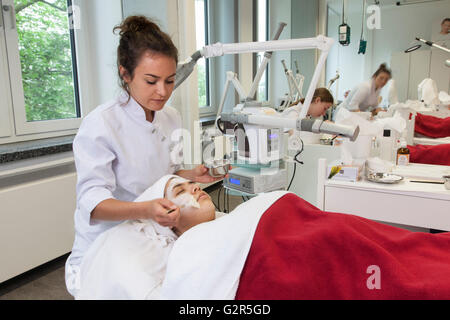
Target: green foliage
46, 59
201, 85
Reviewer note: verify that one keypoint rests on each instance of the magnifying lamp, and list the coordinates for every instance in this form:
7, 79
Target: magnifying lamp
413, 48
431, 44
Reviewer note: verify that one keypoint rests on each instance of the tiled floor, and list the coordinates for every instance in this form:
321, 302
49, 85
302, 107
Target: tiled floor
47, 282
43, 283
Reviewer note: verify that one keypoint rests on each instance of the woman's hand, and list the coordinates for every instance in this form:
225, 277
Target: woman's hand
376, 111
201, 175
198, 174
163, 211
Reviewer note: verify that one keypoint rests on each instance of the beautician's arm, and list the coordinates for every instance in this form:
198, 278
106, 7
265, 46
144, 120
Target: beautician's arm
116, 210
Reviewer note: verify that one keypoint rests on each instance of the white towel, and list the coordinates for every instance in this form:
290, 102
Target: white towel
428, 92
206, 261
444, 97
129, 260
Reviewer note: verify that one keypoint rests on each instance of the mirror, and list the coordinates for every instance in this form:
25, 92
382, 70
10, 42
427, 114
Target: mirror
393, 42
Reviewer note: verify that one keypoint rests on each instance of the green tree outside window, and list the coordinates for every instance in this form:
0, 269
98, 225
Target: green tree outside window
46, 59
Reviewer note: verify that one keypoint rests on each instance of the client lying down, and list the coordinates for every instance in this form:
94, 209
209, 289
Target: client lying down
274, 246
129, 260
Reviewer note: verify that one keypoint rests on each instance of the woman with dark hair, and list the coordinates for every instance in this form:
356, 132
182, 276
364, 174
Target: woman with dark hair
366, 95
321, 101
125, 145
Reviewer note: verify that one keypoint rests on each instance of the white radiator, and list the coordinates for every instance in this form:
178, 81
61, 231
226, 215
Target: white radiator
36, 223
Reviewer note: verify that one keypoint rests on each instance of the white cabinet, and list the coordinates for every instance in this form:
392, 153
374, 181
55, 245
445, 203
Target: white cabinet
36, 222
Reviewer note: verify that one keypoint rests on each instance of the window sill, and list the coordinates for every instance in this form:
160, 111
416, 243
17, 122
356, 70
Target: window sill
207, 120
35, 149
28, 166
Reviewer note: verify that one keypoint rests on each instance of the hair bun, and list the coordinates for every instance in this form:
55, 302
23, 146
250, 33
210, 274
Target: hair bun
135, 24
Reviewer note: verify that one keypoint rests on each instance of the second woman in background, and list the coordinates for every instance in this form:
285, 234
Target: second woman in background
365, 97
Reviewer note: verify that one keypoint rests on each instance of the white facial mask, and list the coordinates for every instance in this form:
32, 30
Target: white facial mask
184, 200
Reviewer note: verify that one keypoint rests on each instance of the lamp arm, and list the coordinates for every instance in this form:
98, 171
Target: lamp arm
264, 63
219, 49
432, 44
309, 125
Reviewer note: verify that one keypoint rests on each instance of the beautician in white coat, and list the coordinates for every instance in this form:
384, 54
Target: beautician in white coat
366, 96
125, 145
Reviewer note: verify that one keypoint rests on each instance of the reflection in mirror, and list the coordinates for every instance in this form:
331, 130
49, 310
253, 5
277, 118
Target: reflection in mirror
390, 40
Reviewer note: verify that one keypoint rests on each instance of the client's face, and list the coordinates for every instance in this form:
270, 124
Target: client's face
195, 205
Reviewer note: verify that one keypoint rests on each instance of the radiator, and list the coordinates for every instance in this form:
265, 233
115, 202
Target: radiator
36, 223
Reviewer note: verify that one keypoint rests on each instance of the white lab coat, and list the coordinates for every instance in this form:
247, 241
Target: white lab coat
363, 97
118, 154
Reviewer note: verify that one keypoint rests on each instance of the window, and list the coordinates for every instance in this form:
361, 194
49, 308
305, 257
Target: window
39, 47
262, 35
201, 26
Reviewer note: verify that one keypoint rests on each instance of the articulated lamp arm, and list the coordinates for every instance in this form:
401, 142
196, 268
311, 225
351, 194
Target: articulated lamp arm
320, 42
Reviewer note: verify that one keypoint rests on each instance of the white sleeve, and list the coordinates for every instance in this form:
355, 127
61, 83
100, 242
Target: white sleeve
361, 94
93, 159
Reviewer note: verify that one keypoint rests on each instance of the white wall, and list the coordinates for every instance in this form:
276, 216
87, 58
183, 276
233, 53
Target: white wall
400, 25
153, 9
279, 11
97, 52
304, 21
345, 59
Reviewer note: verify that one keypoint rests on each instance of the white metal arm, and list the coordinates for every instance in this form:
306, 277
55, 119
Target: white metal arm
320, 42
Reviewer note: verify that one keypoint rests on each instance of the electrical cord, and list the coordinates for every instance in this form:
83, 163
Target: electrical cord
218, 122
224, 200
295, 164
228, 200
293, 175
217, 208
218, 198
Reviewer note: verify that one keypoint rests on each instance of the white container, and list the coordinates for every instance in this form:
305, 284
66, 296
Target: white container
386, 148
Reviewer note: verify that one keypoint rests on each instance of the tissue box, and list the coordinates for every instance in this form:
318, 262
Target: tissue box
347, 173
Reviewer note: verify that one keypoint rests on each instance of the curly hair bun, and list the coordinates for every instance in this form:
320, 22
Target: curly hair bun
136, 24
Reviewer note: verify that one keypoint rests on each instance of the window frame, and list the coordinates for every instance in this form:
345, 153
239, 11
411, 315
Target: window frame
5, 91
21, 126
267, 35
208, 110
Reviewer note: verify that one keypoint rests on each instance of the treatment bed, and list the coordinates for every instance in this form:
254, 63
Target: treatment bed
430, 138
431, 128
301, 252
274, 246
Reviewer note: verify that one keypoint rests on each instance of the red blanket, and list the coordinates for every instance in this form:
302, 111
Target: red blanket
300, 252
438, 154
431, 126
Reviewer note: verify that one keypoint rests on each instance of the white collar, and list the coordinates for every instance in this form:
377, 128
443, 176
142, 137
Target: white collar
135, 110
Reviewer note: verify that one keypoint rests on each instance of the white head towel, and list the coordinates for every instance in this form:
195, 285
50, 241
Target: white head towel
156, 191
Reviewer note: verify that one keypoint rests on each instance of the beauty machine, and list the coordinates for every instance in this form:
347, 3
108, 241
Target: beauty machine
259, 133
